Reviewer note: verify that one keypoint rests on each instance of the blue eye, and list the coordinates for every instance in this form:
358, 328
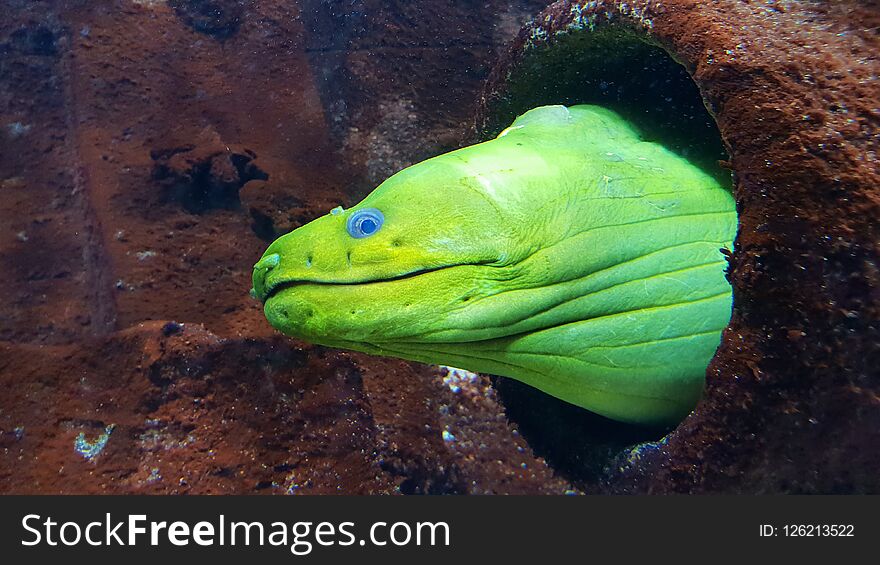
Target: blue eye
364, 223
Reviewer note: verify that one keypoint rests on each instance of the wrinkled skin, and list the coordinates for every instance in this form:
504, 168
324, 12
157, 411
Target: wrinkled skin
566, 253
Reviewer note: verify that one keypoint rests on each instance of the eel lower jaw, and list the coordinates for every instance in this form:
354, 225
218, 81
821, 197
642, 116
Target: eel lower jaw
278, 286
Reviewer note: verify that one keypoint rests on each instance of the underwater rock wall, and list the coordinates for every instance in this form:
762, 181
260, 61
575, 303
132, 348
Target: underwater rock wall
792, 403
148, 151
397, 77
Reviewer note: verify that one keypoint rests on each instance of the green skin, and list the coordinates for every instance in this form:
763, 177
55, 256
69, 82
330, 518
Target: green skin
566, 253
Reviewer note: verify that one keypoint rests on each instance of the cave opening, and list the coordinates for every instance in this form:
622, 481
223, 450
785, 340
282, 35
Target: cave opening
621, 69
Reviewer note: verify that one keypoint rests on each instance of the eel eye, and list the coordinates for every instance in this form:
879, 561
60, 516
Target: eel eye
364, 223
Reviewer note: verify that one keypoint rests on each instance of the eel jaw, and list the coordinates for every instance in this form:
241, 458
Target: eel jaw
275, 287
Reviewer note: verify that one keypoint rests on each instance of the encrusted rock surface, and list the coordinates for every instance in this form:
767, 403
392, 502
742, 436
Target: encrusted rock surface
792, 403
148, 149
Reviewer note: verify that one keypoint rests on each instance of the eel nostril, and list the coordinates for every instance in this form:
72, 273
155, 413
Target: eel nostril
268, 262
261, 272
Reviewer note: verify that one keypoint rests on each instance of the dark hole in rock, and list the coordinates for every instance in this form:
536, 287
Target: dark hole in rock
616, 68
263, 226
171, 328
218, 18
579, 445
613, 67
423, 478
201, 179
274, 210
424, 485
33, 39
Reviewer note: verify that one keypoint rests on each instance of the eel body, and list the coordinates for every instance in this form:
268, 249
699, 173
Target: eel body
566, 253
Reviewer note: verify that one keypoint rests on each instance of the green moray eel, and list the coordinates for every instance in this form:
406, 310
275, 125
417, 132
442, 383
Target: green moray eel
566, 253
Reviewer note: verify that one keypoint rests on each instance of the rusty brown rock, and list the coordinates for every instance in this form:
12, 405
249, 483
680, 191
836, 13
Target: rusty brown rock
119, 121
182, 410
792, 403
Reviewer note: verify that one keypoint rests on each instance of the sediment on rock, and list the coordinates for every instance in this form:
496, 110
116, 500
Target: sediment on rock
791, 403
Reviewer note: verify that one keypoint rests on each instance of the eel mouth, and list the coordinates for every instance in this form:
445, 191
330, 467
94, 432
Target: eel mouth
278, 286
